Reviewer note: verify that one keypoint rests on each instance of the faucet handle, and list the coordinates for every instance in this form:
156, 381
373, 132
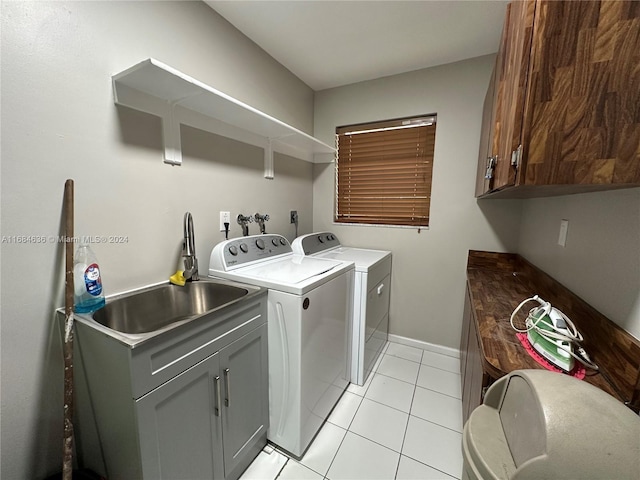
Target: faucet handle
243, 220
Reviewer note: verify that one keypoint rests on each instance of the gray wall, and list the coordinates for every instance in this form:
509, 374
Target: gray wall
600, 262
601, 259
59, 121
428, 279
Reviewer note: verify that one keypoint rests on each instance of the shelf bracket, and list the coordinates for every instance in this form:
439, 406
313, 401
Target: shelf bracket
171, 137
268, 160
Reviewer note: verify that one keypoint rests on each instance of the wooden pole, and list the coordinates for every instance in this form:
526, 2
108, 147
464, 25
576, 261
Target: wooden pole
67, 459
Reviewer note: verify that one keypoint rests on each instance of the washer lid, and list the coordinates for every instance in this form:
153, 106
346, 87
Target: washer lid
293, 274
292, 270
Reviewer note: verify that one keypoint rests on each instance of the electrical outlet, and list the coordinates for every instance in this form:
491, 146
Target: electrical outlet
293, 216
225, 217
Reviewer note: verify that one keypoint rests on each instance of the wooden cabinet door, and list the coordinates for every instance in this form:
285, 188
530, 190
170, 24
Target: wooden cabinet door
245, 392
512, 78
484, 176
582, 121
467, 318
179, 426
472, 375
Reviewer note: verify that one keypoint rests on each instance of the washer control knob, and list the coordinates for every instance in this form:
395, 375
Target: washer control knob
233, 250
283, 241
260, 244
275, 242
320, 239
331, 237
244, 248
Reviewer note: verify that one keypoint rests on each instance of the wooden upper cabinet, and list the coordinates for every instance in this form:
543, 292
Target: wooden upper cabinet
567, 104
485, 174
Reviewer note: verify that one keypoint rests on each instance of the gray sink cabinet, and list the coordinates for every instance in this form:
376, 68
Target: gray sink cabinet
192, 403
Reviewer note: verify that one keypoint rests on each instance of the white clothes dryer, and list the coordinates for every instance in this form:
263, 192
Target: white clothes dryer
370, 320
309, 305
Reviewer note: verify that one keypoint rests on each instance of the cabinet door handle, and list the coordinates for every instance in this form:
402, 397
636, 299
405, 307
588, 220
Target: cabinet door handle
216, 386
380, 288
227, 399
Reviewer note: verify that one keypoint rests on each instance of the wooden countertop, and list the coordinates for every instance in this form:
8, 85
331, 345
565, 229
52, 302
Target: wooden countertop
498, 282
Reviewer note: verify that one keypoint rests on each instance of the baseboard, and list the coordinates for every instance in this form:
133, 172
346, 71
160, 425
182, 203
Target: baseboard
431, 347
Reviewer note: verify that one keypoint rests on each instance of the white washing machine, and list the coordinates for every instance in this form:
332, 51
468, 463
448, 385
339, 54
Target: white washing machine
370, 321
309, 306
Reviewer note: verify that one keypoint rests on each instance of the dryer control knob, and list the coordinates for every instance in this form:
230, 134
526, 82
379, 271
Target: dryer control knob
244, 247
233, 250
275, 242
283, 241
260, 244
320, 239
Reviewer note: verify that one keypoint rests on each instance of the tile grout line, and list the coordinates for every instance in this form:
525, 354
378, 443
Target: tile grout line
434, 423
406, 428
441, 369
438, 391
425, 364
280, 471
337, 450
430, 466
389, 406
372, 374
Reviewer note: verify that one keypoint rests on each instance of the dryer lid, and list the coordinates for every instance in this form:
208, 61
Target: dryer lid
362, 257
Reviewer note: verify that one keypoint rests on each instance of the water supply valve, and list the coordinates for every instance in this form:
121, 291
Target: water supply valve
244, 223
260, 219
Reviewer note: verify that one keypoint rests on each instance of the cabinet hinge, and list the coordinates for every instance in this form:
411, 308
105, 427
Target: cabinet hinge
491, 165
515, 156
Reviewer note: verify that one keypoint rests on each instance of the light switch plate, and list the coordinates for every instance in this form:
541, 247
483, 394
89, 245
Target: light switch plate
564, 228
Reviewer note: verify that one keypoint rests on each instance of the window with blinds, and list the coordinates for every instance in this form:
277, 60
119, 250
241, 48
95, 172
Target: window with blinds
383, 172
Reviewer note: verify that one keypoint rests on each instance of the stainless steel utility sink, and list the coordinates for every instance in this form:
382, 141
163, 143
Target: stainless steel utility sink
156, 307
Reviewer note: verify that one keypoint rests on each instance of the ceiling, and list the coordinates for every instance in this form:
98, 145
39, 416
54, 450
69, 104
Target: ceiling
329, 43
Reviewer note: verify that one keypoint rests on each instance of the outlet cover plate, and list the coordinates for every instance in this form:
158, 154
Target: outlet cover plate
225, 217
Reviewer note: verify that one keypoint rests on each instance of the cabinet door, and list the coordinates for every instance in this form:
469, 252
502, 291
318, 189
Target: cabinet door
484, 177
464, 336
513, 67
244, 373
475, 378
582, 119
180, 432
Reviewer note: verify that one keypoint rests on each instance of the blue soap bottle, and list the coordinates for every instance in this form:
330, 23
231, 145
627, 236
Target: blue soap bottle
88, 292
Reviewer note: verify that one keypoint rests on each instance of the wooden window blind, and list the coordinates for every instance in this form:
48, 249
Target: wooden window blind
383, 172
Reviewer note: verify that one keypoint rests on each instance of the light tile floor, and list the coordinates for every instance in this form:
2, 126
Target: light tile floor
404, 423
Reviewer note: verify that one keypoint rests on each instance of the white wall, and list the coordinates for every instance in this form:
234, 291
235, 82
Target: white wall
59, 121
601, 259
428, 266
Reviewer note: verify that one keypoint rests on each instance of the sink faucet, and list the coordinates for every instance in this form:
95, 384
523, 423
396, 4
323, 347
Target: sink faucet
244, 222
189, 249
260, 219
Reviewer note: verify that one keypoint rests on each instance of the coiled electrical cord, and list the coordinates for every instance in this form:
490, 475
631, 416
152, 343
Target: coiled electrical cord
570, 335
